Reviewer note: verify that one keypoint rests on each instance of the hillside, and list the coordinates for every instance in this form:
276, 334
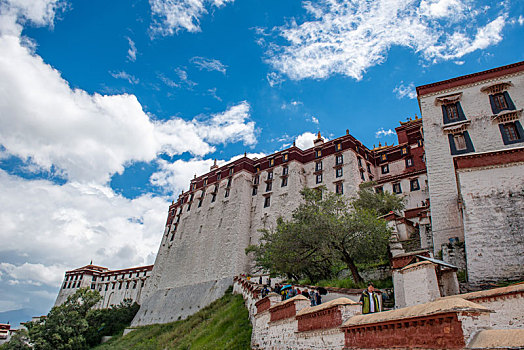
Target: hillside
222, 325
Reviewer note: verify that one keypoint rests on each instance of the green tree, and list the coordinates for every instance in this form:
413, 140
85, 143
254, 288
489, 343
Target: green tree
18, 341
325, 229
382, 203
65, 326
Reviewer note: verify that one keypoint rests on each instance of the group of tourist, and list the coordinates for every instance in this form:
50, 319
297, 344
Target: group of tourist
370, 298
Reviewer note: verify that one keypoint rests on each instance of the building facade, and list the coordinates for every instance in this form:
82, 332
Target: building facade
475, 160
209, 226
113, 285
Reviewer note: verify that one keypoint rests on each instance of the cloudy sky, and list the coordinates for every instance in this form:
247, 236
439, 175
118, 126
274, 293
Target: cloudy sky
108, 108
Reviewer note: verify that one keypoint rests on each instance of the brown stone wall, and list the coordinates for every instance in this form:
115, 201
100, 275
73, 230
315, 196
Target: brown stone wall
263, 304
442, 331
284, 311
323, 319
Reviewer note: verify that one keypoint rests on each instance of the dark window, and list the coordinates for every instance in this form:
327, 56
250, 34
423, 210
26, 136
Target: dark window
318, 153
138, 273
134, 284
229, 180
219, 175
205, 182
512, 132
339, 159
359, 161
404, 151
257, 168
339, 188
67, 278
271, 162
267, 201
191, 197
269, 185
420, 142
338, 172
396, 188
285, 157
92, 286
231, 171
226, 194
113, 285
189, 207
256, 179
200, 202
362, 175
369, 168
107, 286
319, 178
172, 237
76, 277
193, 186
338, 146
120, 285
452, 112
213, 197
379, 189
383, 157
460, 143
269, 175
69, 285
285, 170
500, 102
127, 285
142, 284
385, 169
318, 166
255, 190
414, 185
284, 182
102, 278
65, 285
145, 273
409, 162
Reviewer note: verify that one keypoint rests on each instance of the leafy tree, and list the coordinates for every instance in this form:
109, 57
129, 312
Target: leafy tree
381, 203
65, 325
18, 341
324, 230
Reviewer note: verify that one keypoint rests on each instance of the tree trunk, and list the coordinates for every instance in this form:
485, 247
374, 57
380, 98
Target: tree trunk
353, 268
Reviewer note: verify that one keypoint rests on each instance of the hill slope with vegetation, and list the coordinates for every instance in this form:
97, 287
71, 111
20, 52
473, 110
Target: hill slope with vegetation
224, 324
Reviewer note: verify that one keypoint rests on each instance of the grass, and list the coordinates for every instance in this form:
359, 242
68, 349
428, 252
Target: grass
222, 325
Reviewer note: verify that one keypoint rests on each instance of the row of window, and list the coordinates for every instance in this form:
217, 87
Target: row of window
397, 187
409, 163
339, 189
120, 284
73, 277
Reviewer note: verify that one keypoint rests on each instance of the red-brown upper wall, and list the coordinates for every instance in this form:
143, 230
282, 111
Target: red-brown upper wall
470, 78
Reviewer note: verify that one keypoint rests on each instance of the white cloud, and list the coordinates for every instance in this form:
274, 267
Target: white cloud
182, 75
209, 64
169, 82
126, 76
305, 140
381, 132
521, 20
91, 137
291, 105
405, 90
131, 52
65, 226
274, 78
213, 93
347, 38
314, 120
170, 16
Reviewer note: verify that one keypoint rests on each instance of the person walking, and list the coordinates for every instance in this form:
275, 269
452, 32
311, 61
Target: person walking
370, 300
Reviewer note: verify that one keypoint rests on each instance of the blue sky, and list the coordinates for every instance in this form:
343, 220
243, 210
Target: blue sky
108, 108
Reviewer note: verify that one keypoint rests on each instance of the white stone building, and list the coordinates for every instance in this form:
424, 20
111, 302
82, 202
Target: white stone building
113, 285
475, 160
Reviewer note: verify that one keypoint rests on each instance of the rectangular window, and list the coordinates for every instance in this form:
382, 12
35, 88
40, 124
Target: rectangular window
285, 171
414, 185
362, 175
193, 186
396, 188
219, 176
420, 143
92, 286
318, 166
284, 182
339, 188
229, 180
137, 274
338, 172
267, 201
319, 178
269, 185
460, 142
338, 146
404, 151
145, 273
452, 112
255, 190
359, 161
383, 157
285, 157
189, 207
107, 287
102, 278
270, 175
142, 284
257, 168
205, 182
512, 132
231, 170
191, 197
369, 168
213, 197
339, 159
226, 194
385, 169
272, 162
120, 285
127, 285
500, 101
134, 284
200, 202
172, 237
409, 162
256, 179
318, 153
113, 285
